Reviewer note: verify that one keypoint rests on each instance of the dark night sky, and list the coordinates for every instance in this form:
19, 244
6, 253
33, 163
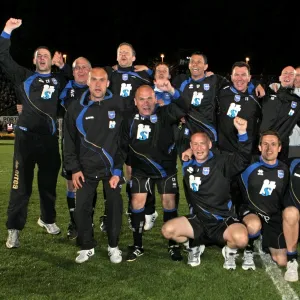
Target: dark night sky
226, 31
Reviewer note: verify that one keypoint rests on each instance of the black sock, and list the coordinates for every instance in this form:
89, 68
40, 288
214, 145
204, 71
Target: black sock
137, 222
150, 204
172, 243
170, 214
252, 238
292, 255
71, 205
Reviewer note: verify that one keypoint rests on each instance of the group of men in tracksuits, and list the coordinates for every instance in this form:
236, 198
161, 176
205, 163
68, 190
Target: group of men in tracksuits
116, 122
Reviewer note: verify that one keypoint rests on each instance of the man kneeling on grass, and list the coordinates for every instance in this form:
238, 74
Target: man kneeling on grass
207, 186
265, 183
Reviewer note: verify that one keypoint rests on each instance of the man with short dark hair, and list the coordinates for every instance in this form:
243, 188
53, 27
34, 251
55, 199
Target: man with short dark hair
264, 184
124, 81
237, 98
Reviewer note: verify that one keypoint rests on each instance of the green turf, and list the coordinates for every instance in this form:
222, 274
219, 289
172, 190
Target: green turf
44, 267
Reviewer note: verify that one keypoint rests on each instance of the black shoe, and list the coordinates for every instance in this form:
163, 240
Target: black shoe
174, 252
103, 223
134, 252
72, 231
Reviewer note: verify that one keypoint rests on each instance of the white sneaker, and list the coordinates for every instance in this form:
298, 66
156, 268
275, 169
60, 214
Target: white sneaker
13, 239
194, 255
51, 228
230, 257
248, 262
115, 255
149, 221
291, 273
84, 255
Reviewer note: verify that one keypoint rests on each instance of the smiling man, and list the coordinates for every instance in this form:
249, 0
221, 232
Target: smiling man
281, 110
265, 183
238, 99
91, 133
36, 141
72, 92
207, 188
147, 138
124, 81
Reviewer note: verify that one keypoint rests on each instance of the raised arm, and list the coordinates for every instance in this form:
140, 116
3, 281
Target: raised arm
14, 72
12, 24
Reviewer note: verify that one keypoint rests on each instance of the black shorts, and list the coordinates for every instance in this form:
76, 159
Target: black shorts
167, 185
271, 229
272, 232
291, 200
210, 232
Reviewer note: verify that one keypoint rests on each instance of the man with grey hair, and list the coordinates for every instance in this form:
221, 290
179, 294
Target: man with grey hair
281, 110
72, 92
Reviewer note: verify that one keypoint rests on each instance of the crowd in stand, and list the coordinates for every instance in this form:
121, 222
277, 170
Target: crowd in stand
7, 93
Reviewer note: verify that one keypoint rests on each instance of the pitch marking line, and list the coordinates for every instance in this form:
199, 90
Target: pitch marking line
275, 274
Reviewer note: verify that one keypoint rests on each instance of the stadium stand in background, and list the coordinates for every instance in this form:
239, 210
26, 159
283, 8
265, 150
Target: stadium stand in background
8, 109
8, 98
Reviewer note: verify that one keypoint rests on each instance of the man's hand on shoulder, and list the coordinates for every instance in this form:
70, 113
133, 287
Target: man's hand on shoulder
139, 68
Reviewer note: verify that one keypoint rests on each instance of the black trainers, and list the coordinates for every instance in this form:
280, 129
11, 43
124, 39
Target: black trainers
72, 231
134, 252
103, 223
175, 253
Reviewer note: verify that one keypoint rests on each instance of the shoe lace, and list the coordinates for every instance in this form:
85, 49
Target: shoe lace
83, 253
248, 257
137, 251
174, 249
11, 236
114, 252
51, 227
194, 254
292, 266
152, 219
230, 259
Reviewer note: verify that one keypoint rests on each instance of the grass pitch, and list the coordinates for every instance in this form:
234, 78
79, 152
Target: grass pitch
44, 266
